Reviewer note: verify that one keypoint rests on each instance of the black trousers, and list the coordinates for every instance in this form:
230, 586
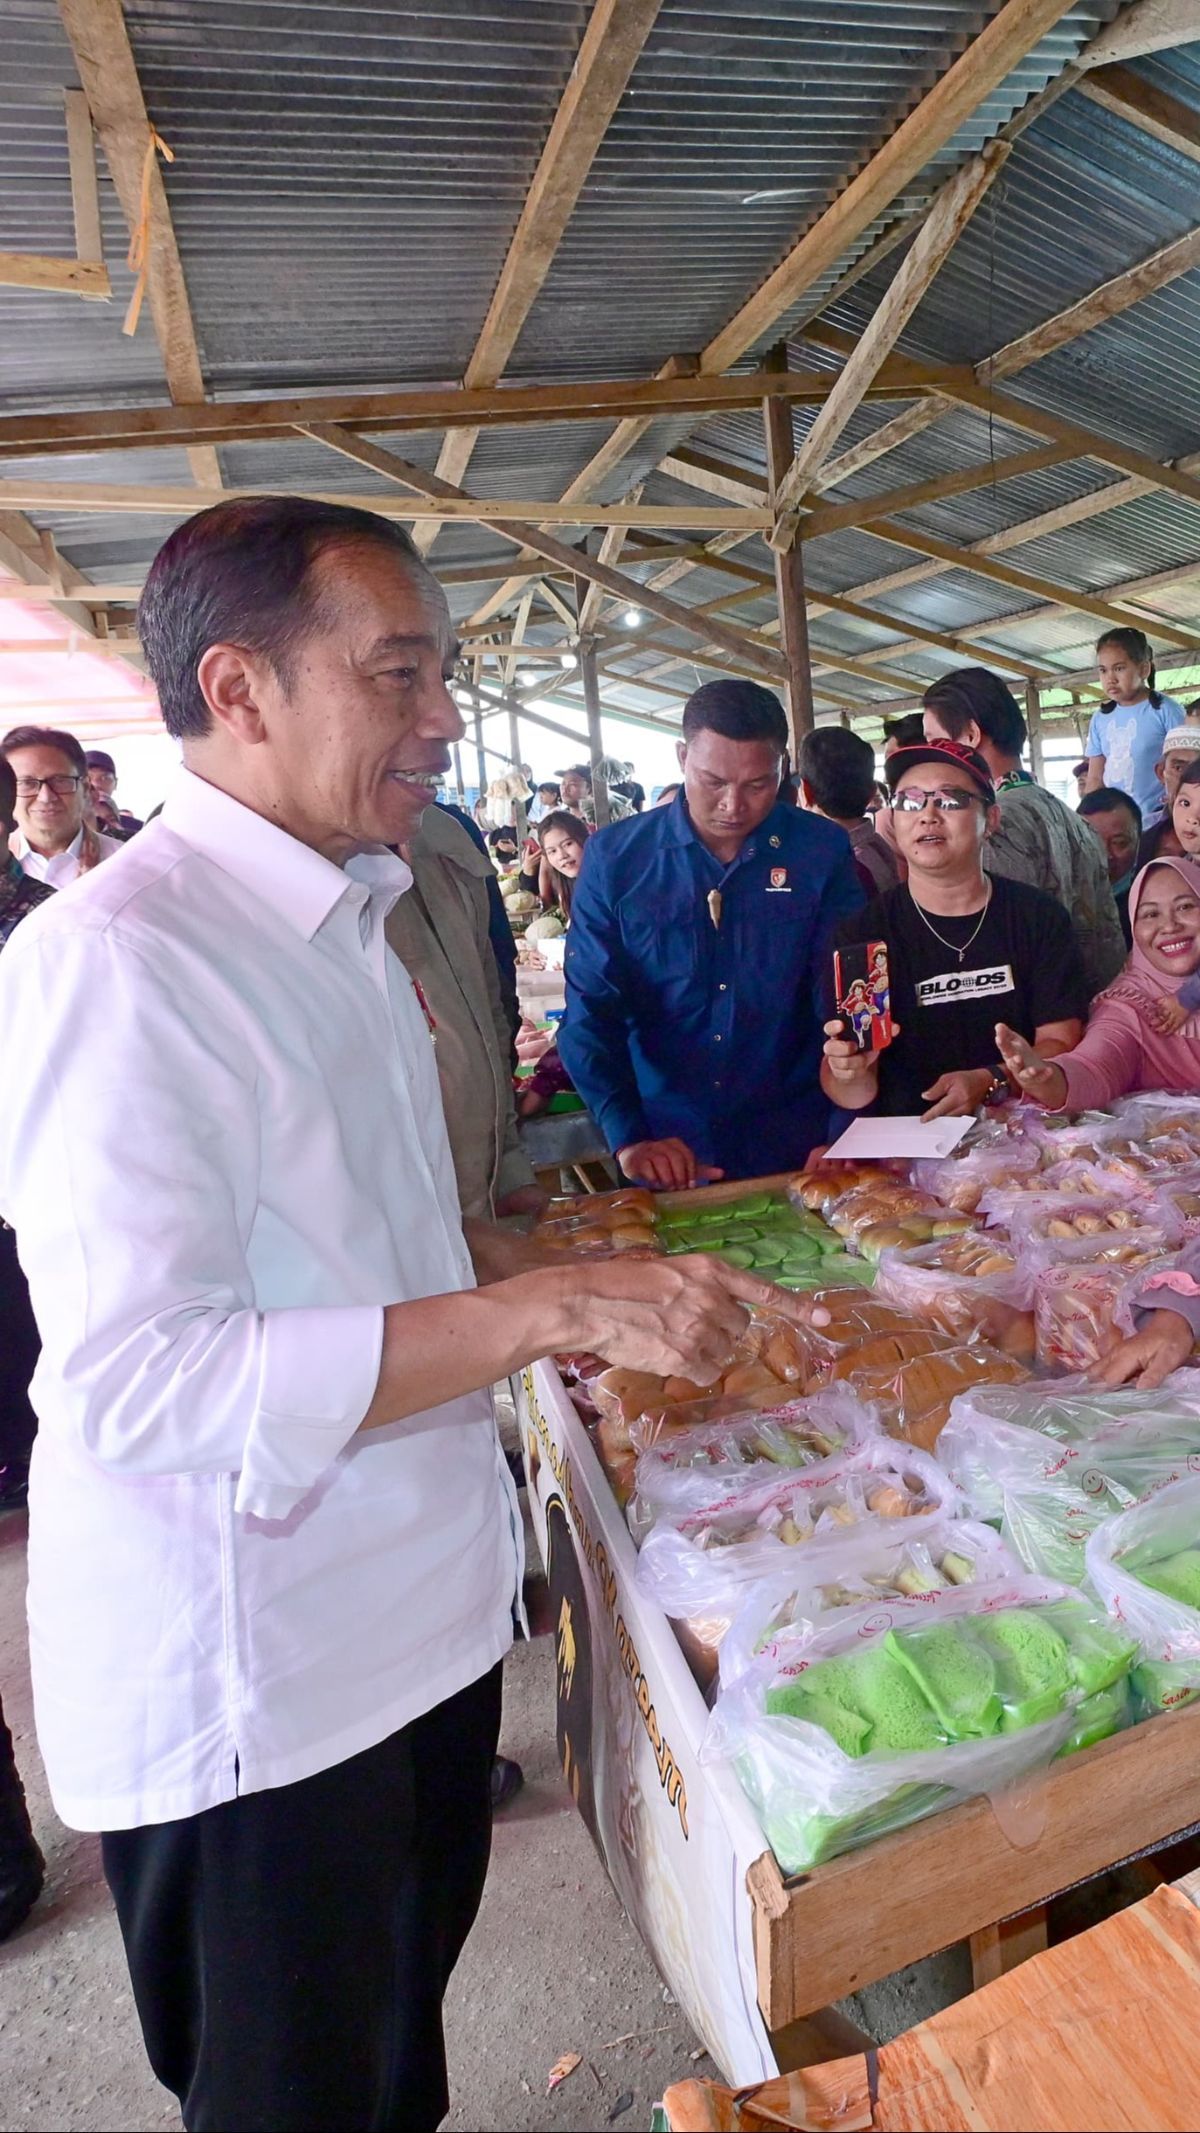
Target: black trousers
19, 1350
289, 1950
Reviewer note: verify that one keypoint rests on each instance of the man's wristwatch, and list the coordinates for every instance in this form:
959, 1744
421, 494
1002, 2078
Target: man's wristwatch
997, 1091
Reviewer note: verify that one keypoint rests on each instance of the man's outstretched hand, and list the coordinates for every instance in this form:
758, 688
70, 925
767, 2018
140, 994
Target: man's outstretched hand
668, 1165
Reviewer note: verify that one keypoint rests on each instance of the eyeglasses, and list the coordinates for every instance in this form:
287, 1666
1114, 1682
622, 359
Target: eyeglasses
953, 798
64, 785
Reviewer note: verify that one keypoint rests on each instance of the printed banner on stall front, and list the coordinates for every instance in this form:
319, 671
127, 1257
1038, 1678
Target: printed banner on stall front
676, 1836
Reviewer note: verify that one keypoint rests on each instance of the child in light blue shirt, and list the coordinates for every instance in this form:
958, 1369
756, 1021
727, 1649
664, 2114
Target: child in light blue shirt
1125, 738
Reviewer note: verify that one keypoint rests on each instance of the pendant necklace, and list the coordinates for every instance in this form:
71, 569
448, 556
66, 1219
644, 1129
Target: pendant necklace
949, 945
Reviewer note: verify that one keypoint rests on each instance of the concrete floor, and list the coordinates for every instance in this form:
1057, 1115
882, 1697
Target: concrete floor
553, 1965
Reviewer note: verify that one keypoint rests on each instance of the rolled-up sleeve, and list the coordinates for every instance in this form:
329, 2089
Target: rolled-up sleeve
129, 1168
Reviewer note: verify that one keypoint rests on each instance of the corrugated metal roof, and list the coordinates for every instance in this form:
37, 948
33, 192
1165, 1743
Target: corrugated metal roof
348, 177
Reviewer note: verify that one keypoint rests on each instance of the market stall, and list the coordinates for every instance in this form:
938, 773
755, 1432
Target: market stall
842, 1492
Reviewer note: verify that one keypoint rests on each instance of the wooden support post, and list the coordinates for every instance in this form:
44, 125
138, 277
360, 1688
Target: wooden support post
460, 792
591, 698
1033, 719
514, 748
480, 763
789, 571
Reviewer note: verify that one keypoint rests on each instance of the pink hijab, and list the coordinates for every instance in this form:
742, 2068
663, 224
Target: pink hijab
1139, 981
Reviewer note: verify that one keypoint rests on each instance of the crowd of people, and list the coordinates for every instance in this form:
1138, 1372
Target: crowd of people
275, 1554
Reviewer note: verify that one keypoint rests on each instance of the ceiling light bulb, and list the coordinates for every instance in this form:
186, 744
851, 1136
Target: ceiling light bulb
568, 659
631, 617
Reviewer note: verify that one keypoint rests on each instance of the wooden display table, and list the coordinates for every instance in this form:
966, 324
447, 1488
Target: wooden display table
757, 1959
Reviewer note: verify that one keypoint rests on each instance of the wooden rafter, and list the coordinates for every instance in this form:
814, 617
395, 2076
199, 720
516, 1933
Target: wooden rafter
1154, 111
173, 502
834, 518
948, 217
70, 277
1104, 303
553, 551
610, 552
100, 42
71, 430
1147, 26
1001, 45
1024, 581
612, 43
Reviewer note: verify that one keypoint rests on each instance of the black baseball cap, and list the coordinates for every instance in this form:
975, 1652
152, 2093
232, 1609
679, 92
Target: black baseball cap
942, 752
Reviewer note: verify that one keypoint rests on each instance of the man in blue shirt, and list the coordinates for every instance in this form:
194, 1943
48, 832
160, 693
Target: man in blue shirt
698, 959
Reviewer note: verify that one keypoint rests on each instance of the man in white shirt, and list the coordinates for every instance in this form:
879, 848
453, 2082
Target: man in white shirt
274, 1549
54, 841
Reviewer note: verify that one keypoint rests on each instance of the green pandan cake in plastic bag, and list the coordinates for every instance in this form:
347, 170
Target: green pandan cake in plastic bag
1145, 1566
846, 1728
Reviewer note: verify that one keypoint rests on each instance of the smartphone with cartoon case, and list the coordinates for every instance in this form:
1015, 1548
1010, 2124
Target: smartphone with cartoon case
860, 978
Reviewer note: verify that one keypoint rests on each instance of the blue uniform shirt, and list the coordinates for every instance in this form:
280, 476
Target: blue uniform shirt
675, 1025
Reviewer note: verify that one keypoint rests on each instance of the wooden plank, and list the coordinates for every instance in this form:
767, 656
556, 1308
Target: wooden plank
997, 1949
70, 277
670, 611
415, 408
100, 42
612, 43
700, 470
168, 501
1004, 41
908, 1895
1147, 26
1154, 111
1107, 302
887, 438
779, 436
833, 518
1000, 46
951, 212
85, 193
610, 553
1023, 580
1033, 719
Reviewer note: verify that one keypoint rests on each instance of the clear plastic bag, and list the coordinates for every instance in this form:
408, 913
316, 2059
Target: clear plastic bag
871, 1568
967, 1287
1178, 1200
915, 1395
699, 1567
681, 1469
993, 1165
770, 1365
1050, 1462
1091, 1228
1145, 1567
893, 1213
1078, 1310
842, 1732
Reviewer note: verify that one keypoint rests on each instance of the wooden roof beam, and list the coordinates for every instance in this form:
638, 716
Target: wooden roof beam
1104, 303
1154, 111
422, 407
100, 41
610, 552
543, 544
1024, 581
1004, 41
1001, 45
948, 217
170, 501
612, 44
1147, 26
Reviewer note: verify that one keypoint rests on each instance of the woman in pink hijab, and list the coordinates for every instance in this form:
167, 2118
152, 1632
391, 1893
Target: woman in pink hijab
1143, 1031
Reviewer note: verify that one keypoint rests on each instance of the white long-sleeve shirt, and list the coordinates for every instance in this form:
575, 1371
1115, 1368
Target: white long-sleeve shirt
223, 1152
60, 868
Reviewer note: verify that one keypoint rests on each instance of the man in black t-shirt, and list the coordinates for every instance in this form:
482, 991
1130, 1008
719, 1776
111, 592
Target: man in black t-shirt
965, 951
